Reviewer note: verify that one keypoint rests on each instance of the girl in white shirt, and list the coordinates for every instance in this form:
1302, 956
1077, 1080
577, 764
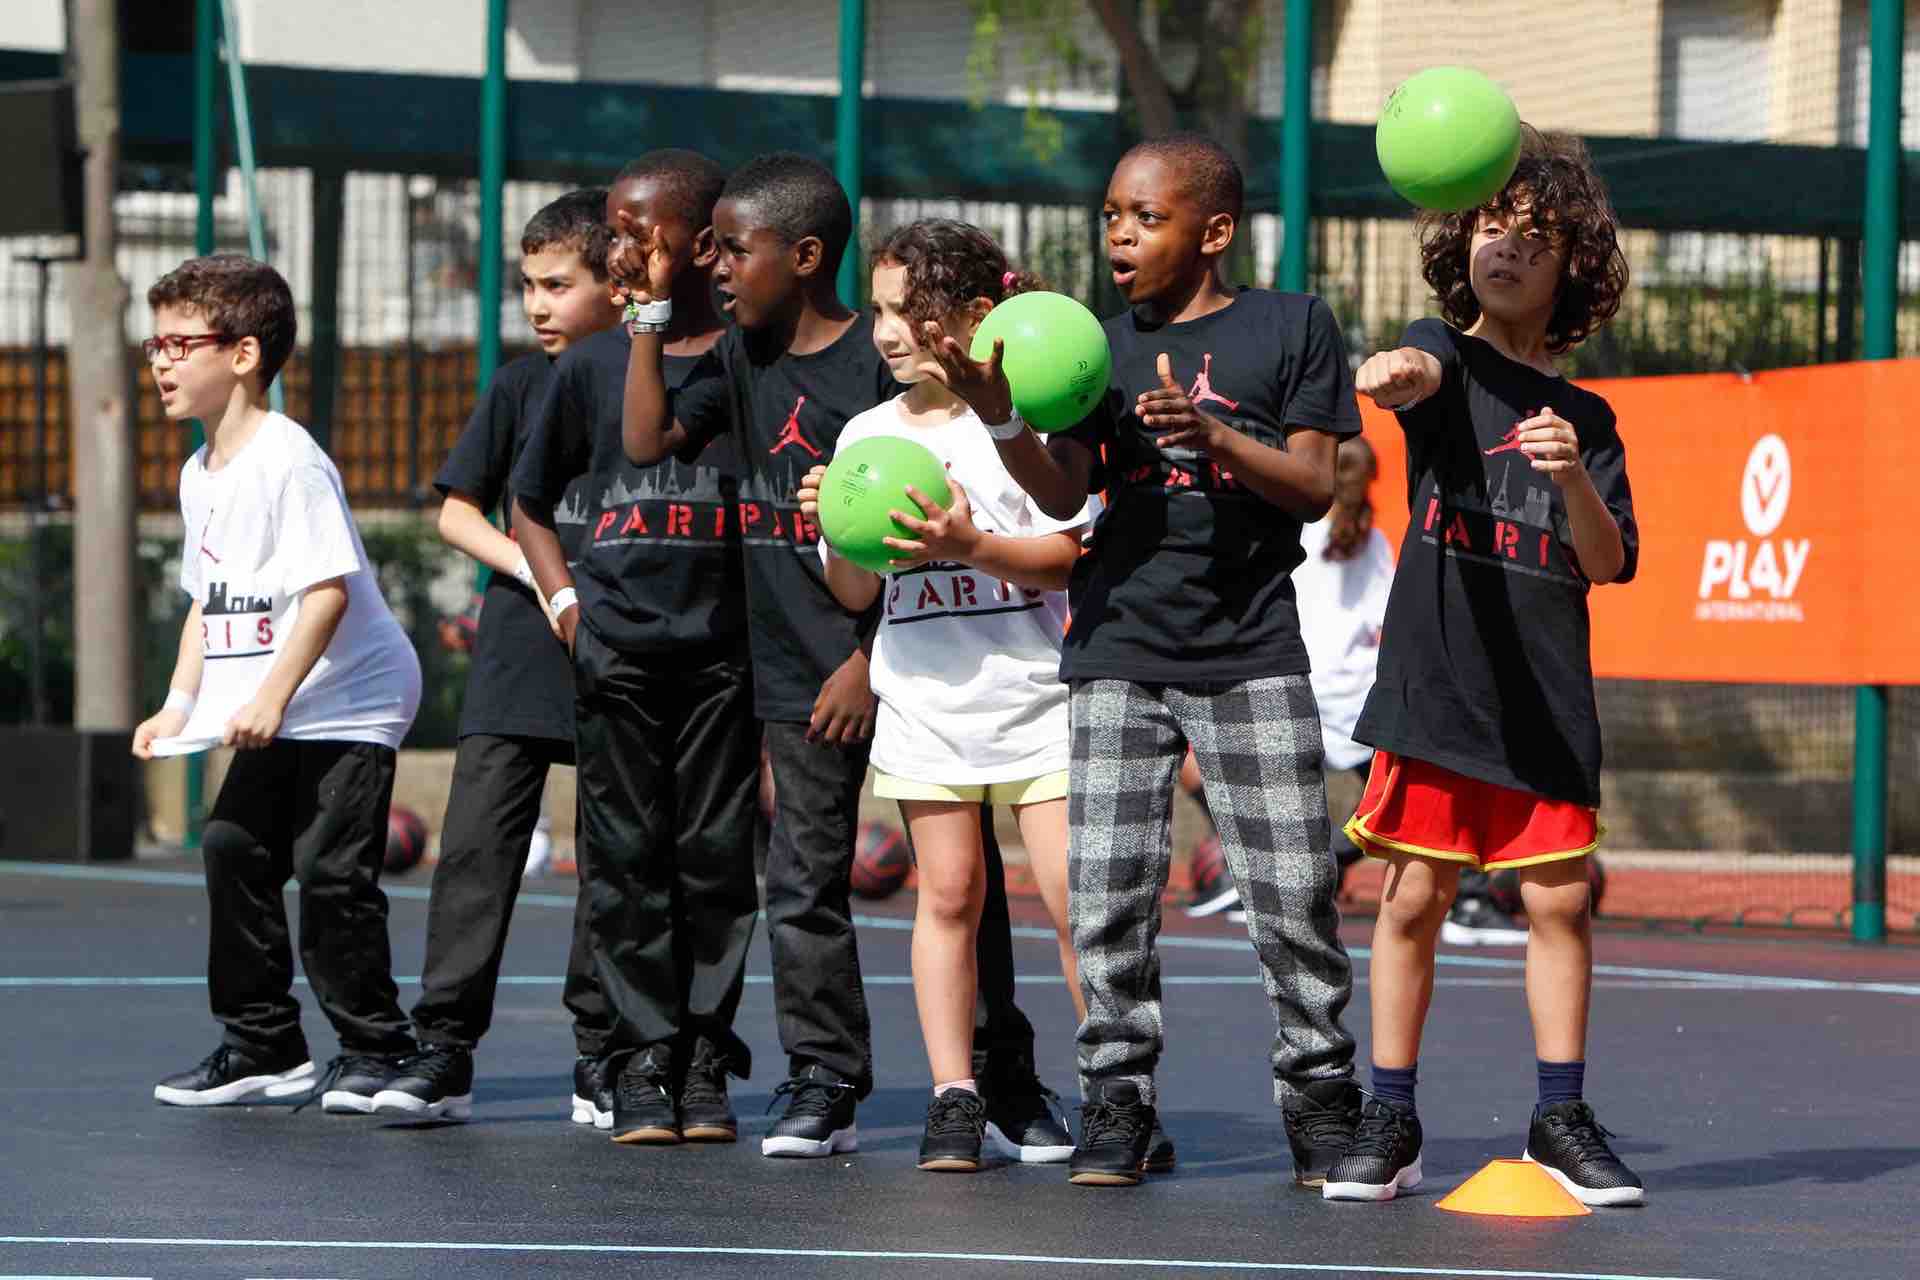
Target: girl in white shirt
966, 660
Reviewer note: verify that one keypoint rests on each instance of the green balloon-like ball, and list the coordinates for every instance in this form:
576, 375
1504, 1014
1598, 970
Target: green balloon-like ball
1057, 361
1448, 139
867, 480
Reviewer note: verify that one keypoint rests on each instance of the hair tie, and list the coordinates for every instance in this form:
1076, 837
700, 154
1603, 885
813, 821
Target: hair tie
1008, 280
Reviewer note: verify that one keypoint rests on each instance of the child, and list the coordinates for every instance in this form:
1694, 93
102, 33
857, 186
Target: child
1488, 743
517, 719
799, 365
652, 607
1185, 631
970, 705
289, 655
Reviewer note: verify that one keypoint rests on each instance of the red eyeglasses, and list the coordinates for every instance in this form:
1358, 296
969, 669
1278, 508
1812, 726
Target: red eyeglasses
177, 345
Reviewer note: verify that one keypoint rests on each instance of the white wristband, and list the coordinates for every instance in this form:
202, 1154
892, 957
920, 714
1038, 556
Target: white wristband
563, 599
1013, 427
648, 317
523, 574
179, 700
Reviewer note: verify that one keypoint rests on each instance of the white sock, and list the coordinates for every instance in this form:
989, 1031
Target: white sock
966, 1084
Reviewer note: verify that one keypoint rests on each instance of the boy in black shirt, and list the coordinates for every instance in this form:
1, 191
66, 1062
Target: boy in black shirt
1215, 443
1482, 714
517, 720
652, 607
799, 365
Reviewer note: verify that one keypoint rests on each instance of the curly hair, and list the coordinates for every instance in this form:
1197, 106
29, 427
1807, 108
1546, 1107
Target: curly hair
1351, 519
1556, 183
237, 296
949, 264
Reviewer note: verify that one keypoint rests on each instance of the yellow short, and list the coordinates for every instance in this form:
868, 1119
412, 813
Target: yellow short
1048, 786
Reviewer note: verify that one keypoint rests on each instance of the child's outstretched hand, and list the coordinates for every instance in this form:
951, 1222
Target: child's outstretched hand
808, 493
1398, 379
1168, 411
940, 533
1552, 445
981, 383
162, 724
640, 264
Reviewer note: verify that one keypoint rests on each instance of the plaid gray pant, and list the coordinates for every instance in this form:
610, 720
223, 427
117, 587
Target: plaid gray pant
1257, 743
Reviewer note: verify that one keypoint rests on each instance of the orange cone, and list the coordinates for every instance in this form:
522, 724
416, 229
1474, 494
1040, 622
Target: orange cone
1513, 1189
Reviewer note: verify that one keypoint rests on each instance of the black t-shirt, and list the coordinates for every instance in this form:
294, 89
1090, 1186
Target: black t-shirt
520, 683
786, 412
1485, 665
1187, 578
654, 550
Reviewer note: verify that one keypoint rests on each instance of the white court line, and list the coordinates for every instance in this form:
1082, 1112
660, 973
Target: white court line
903, 1255
1730, 981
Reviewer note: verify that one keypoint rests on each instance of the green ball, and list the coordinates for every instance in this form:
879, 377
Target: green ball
1448, 139
867, 480
1057, 361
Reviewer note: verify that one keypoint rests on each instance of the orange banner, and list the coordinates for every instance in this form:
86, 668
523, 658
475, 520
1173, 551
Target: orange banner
1769, 509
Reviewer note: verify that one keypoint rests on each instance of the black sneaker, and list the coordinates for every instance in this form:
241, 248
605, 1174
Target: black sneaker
434, 1084
705, 1113
1382, 1160
956, 1121
1475, 922
592, 1091
1115, 1130
1320, 1121
819, 1116
229, 1075
1159, 1149
1024, 1123
643, 1110
351, 1082
1566, 1141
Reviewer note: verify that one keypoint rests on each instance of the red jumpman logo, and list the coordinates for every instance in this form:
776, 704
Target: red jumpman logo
790, 434
205, 550
1202, 389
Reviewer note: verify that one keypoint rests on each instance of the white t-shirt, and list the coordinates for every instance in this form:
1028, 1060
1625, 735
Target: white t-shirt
259, 531
1342, 603
966, 667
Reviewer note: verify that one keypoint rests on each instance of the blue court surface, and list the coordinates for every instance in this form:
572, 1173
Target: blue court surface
1768, 1090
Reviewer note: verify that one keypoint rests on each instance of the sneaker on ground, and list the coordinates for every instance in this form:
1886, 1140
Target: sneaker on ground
956, 1122
1116, 1127
1159, 1149
818, 1119
643, 1110
351, 1081
1566, 1141
592, 1091
1024, 1122
231, 1075
1213, 887
1382, 1160
434, 1084
706, 1114
1238, 915
1321, 1120
1475, 922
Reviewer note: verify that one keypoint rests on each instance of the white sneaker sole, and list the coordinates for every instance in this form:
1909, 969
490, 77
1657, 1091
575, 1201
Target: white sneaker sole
584, 1112
1218, 902
1011, 1150
392, 1102
281, 1084
847, 1139
1595, 1197
1459, 935
339, 1102
1405, 1180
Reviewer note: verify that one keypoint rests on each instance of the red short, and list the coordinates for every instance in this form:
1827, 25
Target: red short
1411, 806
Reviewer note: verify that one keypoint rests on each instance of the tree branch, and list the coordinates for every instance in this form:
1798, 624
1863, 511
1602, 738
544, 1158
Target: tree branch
1138, 64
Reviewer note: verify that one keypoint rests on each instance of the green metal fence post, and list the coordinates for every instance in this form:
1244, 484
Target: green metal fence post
207, 24
1296, 144
1881, 289
847, 141
493, 179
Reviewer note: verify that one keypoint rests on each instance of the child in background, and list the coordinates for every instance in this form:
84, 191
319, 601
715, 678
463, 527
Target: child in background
965, 664
1483, 719
289, 655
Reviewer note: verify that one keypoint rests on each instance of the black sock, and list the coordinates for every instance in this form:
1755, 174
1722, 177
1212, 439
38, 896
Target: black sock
1559, 1081
1395, 1084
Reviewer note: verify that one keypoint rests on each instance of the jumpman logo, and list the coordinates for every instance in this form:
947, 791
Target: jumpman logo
205, 550
1202, 389
790, 434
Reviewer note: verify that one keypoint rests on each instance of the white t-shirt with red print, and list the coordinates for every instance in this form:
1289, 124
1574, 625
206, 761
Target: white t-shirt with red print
259, 532
966, 667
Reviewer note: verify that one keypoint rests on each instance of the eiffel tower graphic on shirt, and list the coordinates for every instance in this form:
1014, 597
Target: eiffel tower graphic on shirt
664, 482
1202, 388
790, 434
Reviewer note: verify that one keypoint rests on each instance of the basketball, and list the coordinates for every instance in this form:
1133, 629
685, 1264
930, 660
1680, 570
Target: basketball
1504, 887
1056, 358
880, 860
867, 480
406, 839
1448, 139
